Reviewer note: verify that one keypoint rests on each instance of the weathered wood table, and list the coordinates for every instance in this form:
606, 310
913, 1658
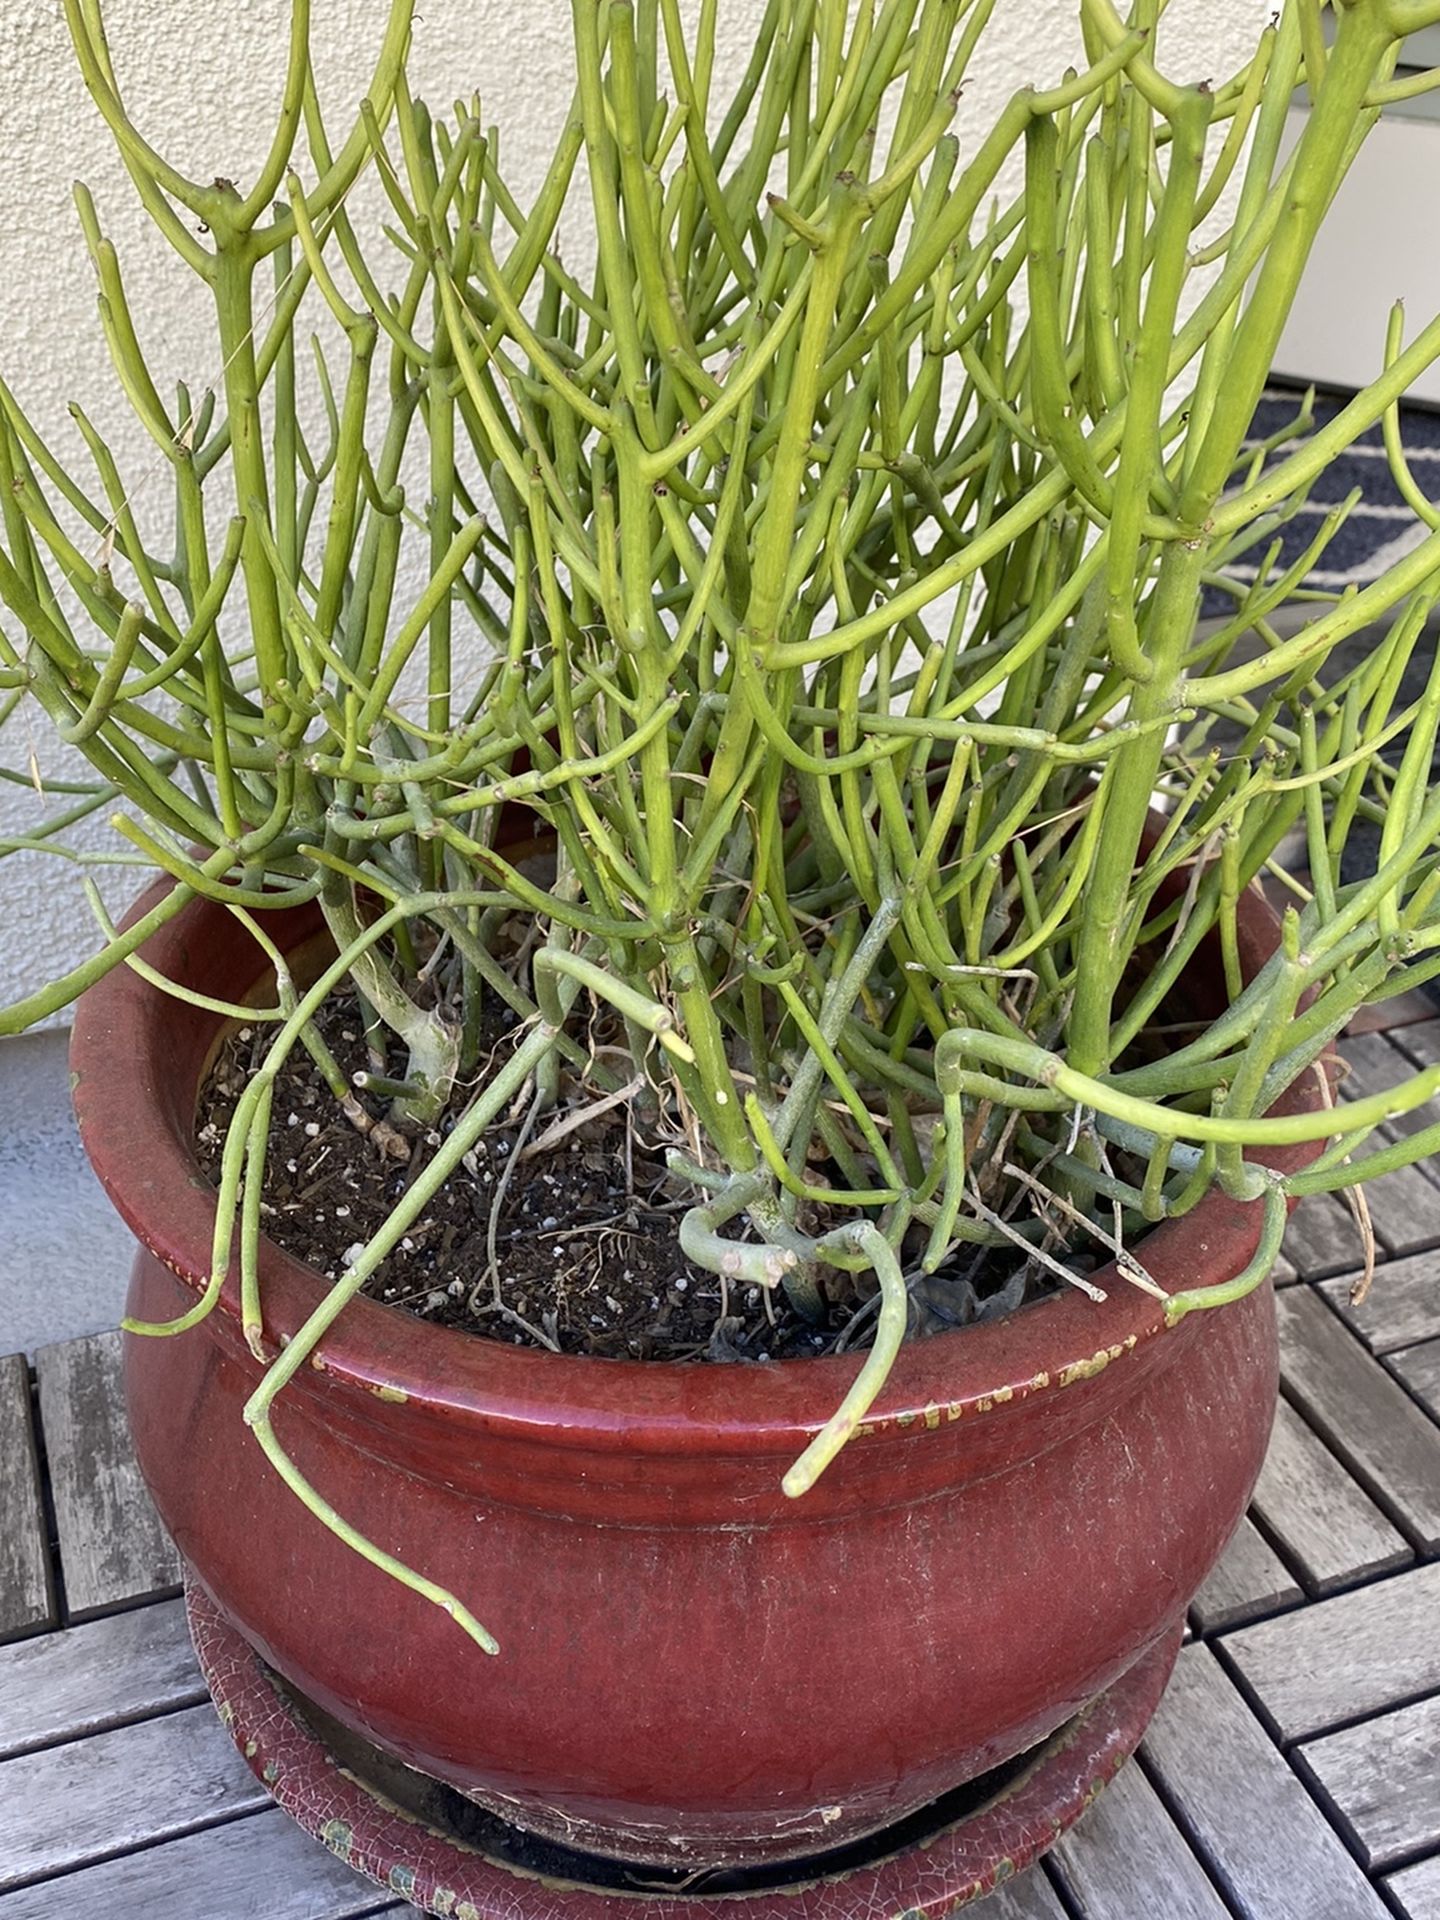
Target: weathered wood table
1293, 1772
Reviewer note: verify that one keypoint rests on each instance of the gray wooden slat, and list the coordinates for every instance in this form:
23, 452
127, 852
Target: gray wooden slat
1384, 1781
1346, 1657
1419, 1368
1404, 1206
1253, 1824
1395, 1015
1283, 1273
1250, 1579
1365, 1416
125, 1666
1377, 1061
260, 1868
113, 1549
1402, 1306
1404, 1210
1327, 1524
1416, 1890
1124, 1850
1031, 1897
1420, 1042
67, 1806
1322, 1238
27, 1589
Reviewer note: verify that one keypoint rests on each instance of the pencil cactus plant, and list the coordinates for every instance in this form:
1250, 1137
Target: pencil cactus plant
835, 550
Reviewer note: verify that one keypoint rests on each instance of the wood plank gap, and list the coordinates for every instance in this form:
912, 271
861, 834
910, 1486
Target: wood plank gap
1416, 1889
1417, 1369
1343, 1660
1380, 1783
1372, 1484
1321, 1521
1321, 1240
1290, 1747
102, 1797
1401, 1309
106, 1673
113, 1549
1032, 1897
28, 1599
1243, 1808
1249, 1582
1125, 1845
1362, 1413
270, 1868
1044, 1870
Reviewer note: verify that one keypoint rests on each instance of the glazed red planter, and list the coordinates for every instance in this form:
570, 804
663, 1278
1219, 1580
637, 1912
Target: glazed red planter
693, 1669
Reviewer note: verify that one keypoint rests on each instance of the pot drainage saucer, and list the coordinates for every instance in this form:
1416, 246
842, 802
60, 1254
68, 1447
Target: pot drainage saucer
427, 1843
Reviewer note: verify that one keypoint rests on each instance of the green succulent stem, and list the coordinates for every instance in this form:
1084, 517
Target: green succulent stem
768, 659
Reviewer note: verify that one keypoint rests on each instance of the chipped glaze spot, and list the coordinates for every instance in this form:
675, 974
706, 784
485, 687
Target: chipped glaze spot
1097, 1363
339, 1837
397, 1395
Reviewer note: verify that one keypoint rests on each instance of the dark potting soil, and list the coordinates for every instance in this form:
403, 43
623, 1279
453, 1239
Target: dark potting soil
572, 1245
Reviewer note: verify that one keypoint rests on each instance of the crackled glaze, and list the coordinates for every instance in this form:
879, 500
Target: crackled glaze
441, 1875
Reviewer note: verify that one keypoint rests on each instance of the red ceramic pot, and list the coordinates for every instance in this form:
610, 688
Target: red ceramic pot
693, 1668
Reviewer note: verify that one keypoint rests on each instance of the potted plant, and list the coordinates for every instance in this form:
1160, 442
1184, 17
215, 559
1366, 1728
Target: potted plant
710, 1013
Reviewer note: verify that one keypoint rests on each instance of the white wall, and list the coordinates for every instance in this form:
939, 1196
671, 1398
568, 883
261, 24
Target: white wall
203, 78
1378, 247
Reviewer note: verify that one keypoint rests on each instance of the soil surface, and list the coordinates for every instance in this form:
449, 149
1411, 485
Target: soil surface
563, 1233
573, 1246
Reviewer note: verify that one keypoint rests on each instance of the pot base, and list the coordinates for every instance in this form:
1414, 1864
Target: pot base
427, 1843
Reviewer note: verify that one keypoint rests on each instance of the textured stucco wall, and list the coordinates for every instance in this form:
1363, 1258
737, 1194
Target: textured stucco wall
203, 80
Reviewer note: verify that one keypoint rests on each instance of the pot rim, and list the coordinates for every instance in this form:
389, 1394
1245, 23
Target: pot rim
133, 1127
